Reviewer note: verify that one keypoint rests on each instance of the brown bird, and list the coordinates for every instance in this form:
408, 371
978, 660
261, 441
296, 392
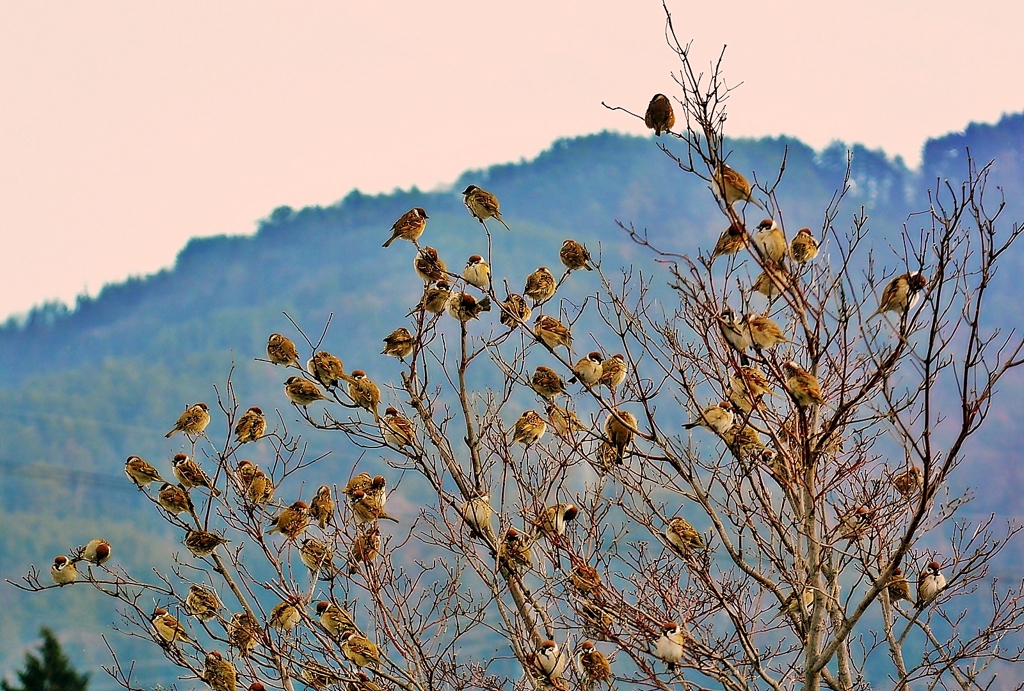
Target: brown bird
364, 393
683, 537
190, 475
202, 603
574, 256
529, 428
369, 508
360, 649
901, 294
97, 551
174, 499
770, 241
361, 482
409, 227
285, 615
589, 369
899, 587
483, 205
244, 633
595, 666
552, 332
930, 583
563, 421
730, 186
253, 484
584, 578
744, 441
515, 310
546, 382
671, 644
772, 281
540, 286
281, 351
803, 386
168, 627
302, 392
435, 297
363, 683
193, 421
218, 673
477, 272
554, 519
63, 571
428, 265
854, 525
397, 430
477, 513
514, 551
717, 418
909, 482
365, 548
464, 307
399, 343
659, 116
292, 521
320, 677
734, 331
746, 388
731, 241
804, 247
202, 543
549, 660
140, 472
318, 558
326, 368
321, 507
335, 619
614, 371
763, 333
250, 426
618, 428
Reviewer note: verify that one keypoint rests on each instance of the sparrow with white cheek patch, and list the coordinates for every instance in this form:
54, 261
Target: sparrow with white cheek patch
428, 265
540, 286
168, 627
744, 441
671, 644
854, 525
464, 307
546, 382
477, 272
730, 186
716, 418
281, 351
173, 499
804, 246
483, 205
292, 521
929, 584
202, 543
435, 297
321, 507
772, 281
574, 256
336, 620
529, 428
318, 558
549, 660
190, 475
515, 310
302, 392
250, 426
899, 587
140, 472
901, 294
659, 116
734, 331
514, 551
731, 241
552, 332
397, 430
365, 548
683, 537
326, 368
909, 482
477, 513
584, 577
361, 482
202, 603
193, 421
364, 393
563, 421
360, 649
555, 518
97, 551
253, 484
588, 370
764, 333
594, 665
218, 673
285, 615
614, 371
803, 386
399, 343
243, 633
368, 503
409, 227
770, 241
752, 382
63, 571
618, 428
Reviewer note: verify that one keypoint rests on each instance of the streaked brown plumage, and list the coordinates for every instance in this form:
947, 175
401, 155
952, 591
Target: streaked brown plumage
435, 297
574, 256
168, 627
202, 603
770, 241
173, 499
540, 286
554, 519
855, 524
399, 343
584, 577
899, 587
515, 309
218, 673
464, 307
428, 265
618, 428
901, 294
731, 186
318, 557
282, 351
763, 333
285, 615
203, 543
244, 632
546, 382
772, 281
930, 583
193, 421
563, 421
190, 475
364, 393
514, 551
326, 368
363, 683
588, 370
717, 418
319, 677
140, 472
483, 205
477, 513
368, 508
734, 330
335, 619
360, 649
613, 371
732, 240
302, 392
397, 430
365, 548
363, 481
292, 521
253, 484
594, 665
477, 272
529, 428
683, 537
250, 426
804, 247
659, 116
746, 388
409, 227
909, 482
552, 332
321, 507
803, 386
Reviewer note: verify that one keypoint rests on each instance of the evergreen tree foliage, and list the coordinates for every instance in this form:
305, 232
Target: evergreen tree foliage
51, 670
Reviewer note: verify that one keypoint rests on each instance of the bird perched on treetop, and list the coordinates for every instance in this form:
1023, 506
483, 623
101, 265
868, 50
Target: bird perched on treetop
250, 426
546, 382
588, 370
731, 186
464, 307
477, 272
514, 310
574, 256
483, 205
618, 428
770, 241
326, 368
552, 332
281, 351
364, 393
804, 246
321, 507
140, 472
731, 241
63, 571
529, 428
671, 644
190, 475
803, 386
929, 584
683, 537
901, 294
399, 343
409, 227
428, 265
540, 286
716, 418
302, 392
193, 421
659, 116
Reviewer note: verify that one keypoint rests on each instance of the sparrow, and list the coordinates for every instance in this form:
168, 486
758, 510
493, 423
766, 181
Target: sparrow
477, 272
790, 607
477, 514
854, 525
243, 633
770, 241
368, 507
321, 507
167, 627
514, 551
363, 683
359, 649
193, 421
804, 247
483, 205
97, 551
250, 426
364, 393
552, 332
63, 571
546, 382
464, 307
683, 537
595, 620
202, 603
190, 475
563, 421
361, 482
613, 371
173, 499
202, 543
901, 294
743, 440
302, 392
731, 241
529, 428
899, 587
515, 310
428, 265
554, 519
399, 343
318, 558
549, 660
435, 297
659, 116
717, 418
618, 428
734, 331
574, 256
292, 521
254, 485
730, 186
218, 673
803, 386
588, 370
365, 549
281, 351
409, 227
772, 281
908, 482
594, 665
319, 677
140, 472
671, 644
606, 458
285, 615
396, 429
746, 388
540, 286
336, 620
584, 578
929, 584
764, 333
326, 368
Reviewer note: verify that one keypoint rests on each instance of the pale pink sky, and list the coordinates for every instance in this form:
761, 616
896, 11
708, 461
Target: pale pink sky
128, 127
